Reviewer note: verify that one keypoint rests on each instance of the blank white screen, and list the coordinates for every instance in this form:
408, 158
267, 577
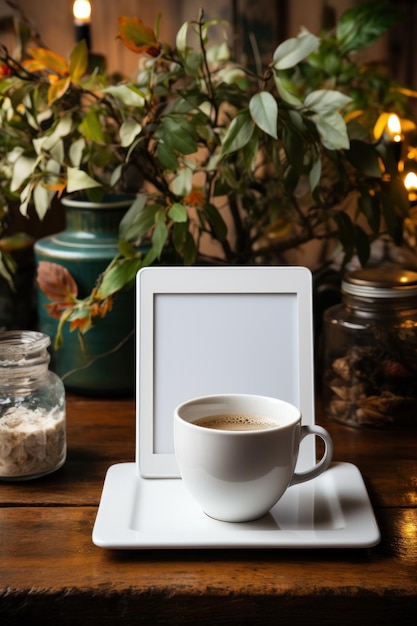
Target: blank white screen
222, 343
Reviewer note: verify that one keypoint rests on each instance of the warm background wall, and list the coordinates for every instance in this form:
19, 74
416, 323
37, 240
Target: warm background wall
270, 20
53, 19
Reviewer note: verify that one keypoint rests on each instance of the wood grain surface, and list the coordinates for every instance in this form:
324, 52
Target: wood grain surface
51, 573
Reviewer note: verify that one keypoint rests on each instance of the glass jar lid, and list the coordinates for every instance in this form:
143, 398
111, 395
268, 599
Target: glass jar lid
382, 282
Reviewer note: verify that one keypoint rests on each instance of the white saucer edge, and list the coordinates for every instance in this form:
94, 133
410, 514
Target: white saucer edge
132, 515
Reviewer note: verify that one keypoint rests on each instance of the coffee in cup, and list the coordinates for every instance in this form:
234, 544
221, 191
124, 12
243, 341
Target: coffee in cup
235, 421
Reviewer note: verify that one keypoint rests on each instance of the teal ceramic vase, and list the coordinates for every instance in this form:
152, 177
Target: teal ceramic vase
103, 363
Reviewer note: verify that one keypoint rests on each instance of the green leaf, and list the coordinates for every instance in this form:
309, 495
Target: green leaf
264, 111
399, 197
128, 132
76, 151
362, 25
369, 206
315, 174
91, 128
95, 194
160, 234
178, 133
78, 180
332, 129
181, 39
346, 232
127, 250
149, 258
184, 243
138, 220
228, 180
62, 129
182, 183
42, 199
120, 276
78, 61
127, 95
332, 61
192, 58
294, 50
294, 148
23, 168
285, 93
291, 180
297, 121
179, 235
362, 245
190, 250
238, 134
213, 22
116, 175
193, 61
251, 151
364, 157
167, 157
25, 197
326, 101
395, 205
216, 221
178, 212
233, 74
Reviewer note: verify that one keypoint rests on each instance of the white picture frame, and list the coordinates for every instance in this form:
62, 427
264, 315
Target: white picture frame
208, 330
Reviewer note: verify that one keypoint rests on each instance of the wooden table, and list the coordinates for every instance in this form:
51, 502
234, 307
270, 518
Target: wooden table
52, 573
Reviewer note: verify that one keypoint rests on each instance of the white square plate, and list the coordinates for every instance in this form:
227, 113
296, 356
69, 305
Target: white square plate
331, 511
211, 330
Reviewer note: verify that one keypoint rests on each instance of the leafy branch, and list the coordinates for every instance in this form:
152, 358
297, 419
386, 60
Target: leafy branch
229, 165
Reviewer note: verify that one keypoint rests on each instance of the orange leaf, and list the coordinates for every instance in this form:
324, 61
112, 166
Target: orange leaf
137, 36
82, 323
48, 60
58, 187
101, 308
55, 309
31, 65
57, 89
56, 282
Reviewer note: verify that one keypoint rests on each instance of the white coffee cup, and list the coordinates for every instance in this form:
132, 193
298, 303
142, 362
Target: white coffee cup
238, 475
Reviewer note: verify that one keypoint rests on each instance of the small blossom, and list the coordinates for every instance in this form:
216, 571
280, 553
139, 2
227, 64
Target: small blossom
195, 198
80, 323
102, 307
5, 71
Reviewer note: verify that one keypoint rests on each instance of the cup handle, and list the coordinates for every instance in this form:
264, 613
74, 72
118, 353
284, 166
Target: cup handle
323, 464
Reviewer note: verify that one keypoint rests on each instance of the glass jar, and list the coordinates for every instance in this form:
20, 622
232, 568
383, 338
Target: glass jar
32, 408
370, 350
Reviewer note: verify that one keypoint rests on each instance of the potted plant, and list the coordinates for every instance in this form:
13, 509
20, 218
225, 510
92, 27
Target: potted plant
230, 165
54, 114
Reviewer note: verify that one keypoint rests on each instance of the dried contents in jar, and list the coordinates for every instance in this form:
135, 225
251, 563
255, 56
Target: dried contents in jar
32, 408
32, 442
368, 387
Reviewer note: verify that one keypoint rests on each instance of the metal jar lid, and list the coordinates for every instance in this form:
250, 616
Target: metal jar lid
383, 282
